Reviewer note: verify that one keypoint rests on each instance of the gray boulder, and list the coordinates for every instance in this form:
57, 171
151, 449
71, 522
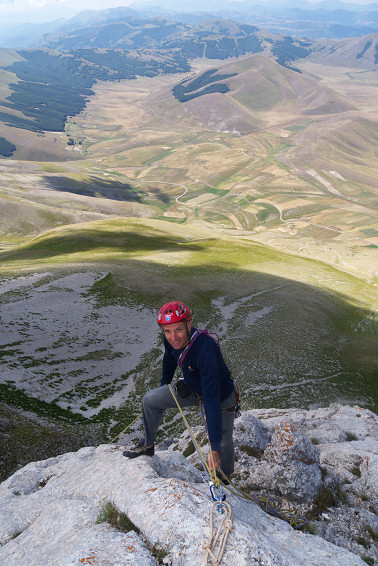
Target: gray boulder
52, 512
292, 464
48, 514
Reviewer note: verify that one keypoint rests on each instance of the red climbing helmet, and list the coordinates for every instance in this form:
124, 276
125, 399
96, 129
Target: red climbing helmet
174, 311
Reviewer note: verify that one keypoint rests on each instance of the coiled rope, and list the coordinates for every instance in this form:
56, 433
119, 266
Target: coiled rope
217, 536
271, 505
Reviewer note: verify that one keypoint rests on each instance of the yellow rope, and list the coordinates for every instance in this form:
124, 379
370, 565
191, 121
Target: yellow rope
125, 429
212, 473
267, 504
226, 523
263, 501
215, 534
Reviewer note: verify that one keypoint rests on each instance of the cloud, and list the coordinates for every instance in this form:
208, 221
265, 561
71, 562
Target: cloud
30, 3
40, 3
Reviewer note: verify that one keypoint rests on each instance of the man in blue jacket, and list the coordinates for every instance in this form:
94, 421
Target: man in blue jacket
205, 376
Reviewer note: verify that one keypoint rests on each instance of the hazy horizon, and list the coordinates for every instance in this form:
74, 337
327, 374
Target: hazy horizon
34, 11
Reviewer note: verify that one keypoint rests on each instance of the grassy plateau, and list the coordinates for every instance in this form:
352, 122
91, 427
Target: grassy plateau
256, 206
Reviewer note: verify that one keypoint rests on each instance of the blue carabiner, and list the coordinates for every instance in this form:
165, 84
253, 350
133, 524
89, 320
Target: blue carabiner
212, 487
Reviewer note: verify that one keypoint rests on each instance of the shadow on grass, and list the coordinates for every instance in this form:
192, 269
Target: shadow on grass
94, 187
94, 241
289, 343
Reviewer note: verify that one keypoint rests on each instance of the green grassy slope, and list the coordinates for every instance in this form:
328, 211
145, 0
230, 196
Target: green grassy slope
203, 183
310, 326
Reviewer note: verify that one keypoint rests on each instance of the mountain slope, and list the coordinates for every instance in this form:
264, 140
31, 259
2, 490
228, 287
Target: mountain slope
356, 51
258, 86
299, 19
213, 38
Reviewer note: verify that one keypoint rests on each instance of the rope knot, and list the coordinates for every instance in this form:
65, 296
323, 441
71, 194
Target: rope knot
208, 545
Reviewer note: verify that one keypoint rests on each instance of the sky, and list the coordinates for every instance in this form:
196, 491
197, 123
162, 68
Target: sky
17, 11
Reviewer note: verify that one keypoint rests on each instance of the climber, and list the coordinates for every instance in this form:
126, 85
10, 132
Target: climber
205, 376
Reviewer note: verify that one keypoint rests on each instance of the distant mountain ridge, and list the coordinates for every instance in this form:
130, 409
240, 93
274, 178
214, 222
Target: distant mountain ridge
213, 39
126, 48
303, 19
355, 51
46, 87
124, 28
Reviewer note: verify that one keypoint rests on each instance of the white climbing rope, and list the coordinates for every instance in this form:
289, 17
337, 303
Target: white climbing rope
218, 536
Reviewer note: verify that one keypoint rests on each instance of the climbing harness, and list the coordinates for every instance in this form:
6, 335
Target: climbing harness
193, 338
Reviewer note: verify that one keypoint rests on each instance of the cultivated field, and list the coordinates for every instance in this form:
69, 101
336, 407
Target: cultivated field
258, 207
285, 159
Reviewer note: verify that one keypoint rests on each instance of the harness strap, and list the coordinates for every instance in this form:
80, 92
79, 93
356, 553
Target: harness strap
196, 334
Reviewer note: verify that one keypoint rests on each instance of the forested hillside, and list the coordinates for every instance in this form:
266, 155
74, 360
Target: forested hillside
206, 83
52, 86
49, 86
55, 86
212, 39
6, 148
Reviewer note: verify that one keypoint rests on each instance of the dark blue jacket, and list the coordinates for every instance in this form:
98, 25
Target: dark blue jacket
206, 373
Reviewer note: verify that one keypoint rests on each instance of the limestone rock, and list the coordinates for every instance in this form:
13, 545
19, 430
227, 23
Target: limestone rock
49, 509
347, 439
252, 432
290, 464
355, 462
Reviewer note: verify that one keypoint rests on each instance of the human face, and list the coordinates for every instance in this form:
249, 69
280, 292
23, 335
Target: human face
177, 334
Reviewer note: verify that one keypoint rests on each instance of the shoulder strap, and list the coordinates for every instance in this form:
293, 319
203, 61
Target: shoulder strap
196, 334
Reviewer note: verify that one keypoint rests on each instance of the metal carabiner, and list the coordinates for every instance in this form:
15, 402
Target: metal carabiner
222, 496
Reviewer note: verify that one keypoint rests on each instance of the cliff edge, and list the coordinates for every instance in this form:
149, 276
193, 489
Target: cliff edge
96, 507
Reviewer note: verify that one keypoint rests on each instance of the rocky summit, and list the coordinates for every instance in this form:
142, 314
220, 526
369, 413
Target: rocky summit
96, 507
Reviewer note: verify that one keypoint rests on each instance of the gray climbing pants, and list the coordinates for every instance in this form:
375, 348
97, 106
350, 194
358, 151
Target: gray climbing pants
156, 401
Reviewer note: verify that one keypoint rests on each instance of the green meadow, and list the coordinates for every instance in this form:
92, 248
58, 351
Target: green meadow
295, 331
259, 215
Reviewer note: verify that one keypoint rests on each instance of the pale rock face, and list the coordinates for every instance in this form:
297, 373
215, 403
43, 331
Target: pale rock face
251, 431
48, 510
355, 462
291, 464
331, 424
287, 465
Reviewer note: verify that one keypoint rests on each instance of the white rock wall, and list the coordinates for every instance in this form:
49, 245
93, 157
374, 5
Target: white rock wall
48, 514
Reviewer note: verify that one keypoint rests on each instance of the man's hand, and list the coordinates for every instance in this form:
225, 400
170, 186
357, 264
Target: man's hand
215, 458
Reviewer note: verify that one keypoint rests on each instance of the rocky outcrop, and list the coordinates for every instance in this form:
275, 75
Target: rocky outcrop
52, 512
290, 465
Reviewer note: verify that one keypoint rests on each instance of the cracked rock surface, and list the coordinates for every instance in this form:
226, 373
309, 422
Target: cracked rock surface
49, 510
